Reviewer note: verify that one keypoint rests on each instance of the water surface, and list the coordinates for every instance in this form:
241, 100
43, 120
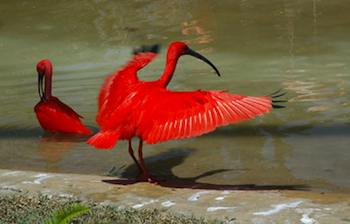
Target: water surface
259, 47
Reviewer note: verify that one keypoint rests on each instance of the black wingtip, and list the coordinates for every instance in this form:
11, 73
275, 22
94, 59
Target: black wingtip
147, 48
275, 106
275, 95
279, 95
279, 101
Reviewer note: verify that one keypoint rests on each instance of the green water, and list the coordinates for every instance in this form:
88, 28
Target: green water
259, 47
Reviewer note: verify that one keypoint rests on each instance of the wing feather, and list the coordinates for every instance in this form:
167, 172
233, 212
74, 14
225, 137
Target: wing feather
139, 60
194, 113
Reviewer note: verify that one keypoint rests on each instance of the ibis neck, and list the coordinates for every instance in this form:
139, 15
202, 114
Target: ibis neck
168, 73
48, 82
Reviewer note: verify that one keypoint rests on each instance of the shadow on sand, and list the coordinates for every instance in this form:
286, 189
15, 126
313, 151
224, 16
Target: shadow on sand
161, 167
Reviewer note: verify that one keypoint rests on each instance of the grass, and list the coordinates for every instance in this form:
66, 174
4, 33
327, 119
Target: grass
68, 214
37, 208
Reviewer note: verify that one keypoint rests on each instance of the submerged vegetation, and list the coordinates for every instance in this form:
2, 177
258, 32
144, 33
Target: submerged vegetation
39, 208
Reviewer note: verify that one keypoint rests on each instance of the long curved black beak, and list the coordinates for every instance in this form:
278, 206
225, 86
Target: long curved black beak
40, 85
201, 57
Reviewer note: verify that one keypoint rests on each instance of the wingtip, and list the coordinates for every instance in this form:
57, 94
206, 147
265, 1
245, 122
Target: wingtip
275, 106
147, 48
276, 95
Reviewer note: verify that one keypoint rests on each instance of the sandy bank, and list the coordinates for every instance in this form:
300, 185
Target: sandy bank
242, 206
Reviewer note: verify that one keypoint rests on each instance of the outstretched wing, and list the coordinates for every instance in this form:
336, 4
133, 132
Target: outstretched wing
141, 57
169, 115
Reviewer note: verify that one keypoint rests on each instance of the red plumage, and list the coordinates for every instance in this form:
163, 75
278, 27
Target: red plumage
52, 114
174, 115
55, 116
131, 107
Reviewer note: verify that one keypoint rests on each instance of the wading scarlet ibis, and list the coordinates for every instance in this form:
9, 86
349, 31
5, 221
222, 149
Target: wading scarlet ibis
129, 107
52, 114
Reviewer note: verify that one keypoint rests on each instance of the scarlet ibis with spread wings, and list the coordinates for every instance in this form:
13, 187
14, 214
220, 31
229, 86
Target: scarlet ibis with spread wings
129, 107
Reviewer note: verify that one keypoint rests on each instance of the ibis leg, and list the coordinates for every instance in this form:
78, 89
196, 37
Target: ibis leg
131, 153
146, 174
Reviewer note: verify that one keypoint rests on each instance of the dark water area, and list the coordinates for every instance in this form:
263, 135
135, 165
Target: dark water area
259, 47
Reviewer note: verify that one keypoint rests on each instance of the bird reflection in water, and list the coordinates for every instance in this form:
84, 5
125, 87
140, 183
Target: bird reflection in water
54, 146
